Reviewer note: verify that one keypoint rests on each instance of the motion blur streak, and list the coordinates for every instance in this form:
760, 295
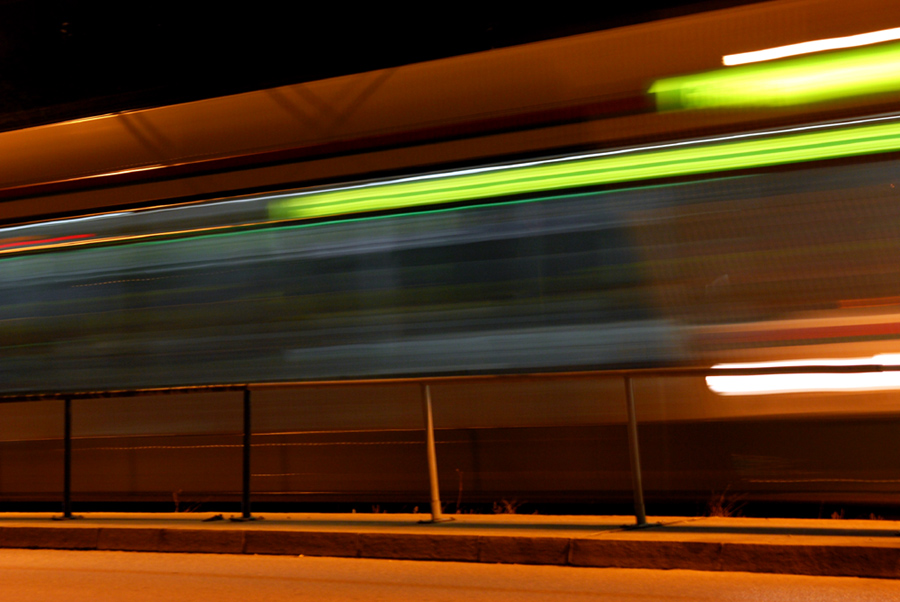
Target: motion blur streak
806, 79
832, 142
508, 214
680, 158
769, 54
769, 384
653, 275
807, 383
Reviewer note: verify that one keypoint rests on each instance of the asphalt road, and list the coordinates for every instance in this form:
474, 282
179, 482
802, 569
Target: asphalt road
55, 575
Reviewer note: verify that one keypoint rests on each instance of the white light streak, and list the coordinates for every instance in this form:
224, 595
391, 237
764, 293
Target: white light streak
72, 220
473, 170
594, 155
772, 384
769, 54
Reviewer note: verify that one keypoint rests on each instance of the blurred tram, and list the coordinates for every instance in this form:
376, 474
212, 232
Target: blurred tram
542, 214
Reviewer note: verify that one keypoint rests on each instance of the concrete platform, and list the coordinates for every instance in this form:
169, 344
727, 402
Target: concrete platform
803, 547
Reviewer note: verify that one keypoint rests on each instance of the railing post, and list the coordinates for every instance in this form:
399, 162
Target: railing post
67, 459
634, 454
437, 515
245, 480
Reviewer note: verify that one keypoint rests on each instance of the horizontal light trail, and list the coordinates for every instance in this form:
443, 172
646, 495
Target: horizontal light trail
679, 159
552, 176
780, 52
808, 382
40, 242
800, 80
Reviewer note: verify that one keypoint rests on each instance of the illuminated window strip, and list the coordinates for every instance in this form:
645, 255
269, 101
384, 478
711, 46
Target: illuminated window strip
779, 52
804, 79
618, 168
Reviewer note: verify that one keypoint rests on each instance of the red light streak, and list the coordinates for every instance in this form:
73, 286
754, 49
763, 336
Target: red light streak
46, 241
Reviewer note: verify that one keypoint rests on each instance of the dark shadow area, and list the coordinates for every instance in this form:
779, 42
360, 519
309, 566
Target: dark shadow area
64, 59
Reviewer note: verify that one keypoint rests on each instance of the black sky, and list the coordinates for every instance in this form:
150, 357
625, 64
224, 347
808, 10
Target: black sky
66, 59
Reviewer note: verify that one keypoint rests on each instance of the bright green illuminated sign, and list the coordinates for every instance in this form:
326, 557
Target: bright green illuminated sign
812, 78
610, 169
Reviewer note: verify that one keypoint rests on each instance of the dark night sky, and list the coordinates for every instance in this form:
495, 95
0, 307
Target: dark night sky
66, 59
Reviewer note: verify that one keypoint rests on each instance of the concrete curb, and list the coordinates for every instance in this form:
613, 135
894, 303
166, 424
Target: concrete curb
861, 560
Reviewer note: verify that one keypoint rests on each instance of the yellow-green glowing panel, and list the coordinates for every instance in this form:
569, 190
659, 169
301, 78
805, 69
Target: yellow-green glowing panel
615, 168
807, 79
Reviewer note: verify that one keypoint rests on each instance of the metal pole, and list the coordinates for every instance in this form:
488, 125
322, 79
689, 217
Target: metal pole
67, 460
436, 514
639, 512
245, 496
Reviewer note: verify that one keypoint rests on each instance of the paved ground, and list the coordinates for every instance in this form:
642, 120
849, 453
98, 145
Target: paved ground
802, 547
79, 576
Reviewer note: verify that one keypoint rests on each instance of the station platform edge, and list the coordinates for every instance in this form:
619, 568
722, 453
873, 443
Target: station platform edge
863, 548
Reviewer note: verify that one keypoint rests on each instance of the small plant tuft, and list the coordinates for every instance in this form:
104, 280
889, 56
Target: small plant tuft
723, 505
507, 506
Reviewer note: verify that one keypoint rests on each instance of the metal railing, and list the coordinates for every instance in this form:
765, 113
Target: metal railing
425, 383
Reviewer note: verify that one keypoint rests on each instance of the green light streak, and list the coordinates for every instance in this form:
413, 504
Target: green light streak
807, 79
100, 246
644, 165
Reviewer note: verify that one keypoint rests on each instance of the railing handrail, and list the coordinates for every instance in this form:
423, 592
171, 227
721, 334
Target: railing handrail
673, 371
